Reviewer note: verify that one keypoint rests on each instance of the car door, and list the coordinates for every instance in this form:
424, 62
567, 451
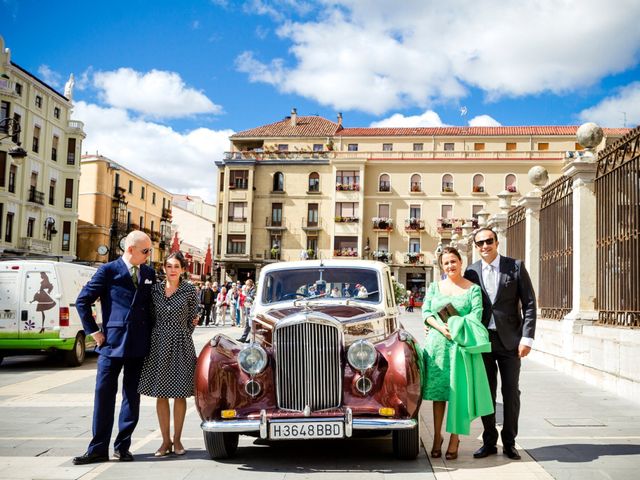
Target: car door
40, 310
9, 304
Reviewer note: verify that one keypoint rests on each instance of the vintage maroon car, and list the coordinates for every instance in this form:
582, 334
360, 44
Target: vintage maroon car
328, 358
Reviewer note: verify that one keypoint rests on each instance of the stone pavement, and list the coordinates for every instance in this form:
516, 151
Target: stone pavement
568, 430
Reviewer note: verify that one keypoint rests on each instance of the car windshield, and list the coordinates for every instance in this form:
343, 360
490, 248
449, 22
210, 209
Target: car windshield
324, 283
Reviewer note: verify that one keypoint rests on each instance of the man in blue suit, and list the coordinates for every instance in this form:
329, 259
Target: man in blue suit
124, 289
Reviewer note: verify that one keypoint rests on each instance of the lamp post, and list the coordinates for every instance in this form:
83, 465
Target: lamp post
12, 129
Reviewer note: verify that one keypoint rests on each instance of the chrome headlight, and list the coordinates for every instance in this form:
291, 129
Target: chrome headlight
361, 355
252, 359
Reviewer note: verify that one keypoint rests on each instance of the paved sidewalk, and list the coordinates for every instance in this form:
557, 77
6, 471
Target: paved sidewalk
568, 430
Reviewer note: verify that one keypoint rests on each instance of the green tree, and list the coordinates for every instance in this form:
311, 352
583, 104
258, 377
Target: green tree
399, 292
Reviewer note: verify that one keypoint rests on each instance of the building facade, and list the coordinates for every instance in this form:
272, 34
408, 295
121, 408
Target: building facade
114, 201
39, 192
306, 187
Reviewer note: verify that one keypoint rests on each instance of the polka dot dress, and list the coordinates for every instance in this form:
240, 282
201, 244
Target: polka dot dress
169, 369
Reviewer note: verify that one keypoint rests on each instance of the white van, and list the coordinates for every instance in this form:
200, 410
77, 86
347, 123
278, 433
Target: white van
37, 308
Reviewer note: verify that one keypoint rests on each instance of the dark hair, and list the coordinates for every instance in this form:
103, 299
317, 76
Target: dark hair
485, 229
178, 256
451, 250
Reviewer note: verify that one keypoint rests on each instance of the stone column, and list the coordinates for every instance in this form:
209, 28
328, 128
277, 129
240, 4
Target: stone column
499, 221
531, 202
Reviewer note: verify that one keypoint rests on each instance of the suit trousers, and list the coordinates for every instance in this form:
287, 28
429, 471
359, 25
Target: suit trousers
206, 314
507, 362
109, 369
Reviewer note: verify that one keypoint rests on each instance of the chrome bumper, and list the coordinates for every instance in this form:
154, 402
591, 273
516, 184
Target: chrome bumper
350, 424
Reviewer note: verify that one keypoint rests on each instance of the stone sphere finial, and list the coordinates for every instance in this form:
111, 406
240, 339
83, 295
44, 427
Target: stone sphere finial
538, 176
589, 135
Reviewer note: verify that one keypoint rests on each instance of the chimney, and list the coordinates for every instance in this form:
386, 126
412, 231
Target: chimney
339, 119
294, 117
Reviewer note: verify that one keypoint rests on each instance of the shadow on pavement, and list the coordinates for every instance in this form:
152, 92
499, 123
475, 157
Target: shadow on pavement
581, 452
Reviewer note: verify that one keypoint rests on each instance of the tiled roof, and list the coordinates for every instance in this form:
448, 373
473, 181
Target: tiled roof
308, 126
468, 131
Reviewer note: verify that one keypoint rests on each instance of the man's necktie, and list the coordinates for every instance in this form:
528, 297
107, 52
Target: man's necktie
490, 283
134, 275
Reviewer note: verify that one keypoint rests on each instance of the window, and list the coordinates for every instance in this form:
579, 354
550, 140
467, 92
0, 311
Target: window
66, 236
36, 138
1, 216
222, 180
449, 147
312, 244
314, 182
38, 101
153, 198
4, 113
384, 184
52, 192
141, 222
317, 147
478, 183
347, 211
312, 215
283, 147
54, 148
3, 169
447, 183
383, 244
19, 89
56, 112
141, 193
117, 181
475, 209
128, 220
543, 146
511, 146
71, 151
510, 184
347, 180
416, 183
387, 147
13, 173
236, 244
239, 179
276, 214
383, 210
16, 136
478, 146
278, 182
352, 147
220, 213
346, 246
130, 186
219, 245
414, 245
237, 211
415, 211
68, 193
30, 224
446, 211
418, 147
8, 231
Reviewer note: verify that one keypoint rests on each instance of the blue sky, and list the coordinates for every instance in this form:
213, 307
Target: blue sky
163, 81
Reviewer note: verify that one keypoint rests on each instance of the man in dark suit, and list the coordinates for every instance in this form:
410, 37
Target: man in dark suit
207, 300
124, 289
509, 313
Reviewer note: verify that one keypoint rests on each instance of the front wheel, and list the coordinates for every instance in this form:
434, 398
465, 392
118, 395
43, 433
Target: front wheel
221, 445
75, 356
406, 443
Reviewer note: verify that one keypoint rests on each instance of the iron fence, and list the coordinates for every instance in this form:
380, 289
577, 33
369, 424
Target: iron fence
617, 189
516, 233
556, 249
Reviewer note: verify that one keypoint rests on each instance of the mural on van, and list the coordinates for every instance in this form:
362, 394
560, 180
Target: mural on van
44, 301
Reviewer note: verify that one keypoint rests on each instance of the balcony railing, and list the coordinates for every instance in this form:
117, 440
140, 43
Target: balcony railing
166, 213
382, 224
382, 256
274, 223
447, 187
35, 245
416, 186
236, 219
36, 196
414, 258
348, 187
478, 189
384, 187
340, 219
239, 184
311, 225
345, 252
276, 155
413, 224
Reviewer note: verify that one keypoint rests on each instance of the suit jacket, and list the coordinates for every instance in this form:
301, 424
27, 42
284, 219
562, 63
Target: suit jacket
514, 308
126, 311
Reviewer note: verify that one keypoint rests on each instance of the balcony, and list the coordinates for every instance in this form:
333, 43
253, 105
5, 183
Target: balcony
414, 258
416, 187
382, 224
237, 219
166, 213
447, 187
35, 196
155, 236
413, 225
347, 187
512, 189
340, 219
345, 252
34, 245
274, 224
478, 189
8, 88
384, 187
75, 127
453, 225
309, 226
382, 256
260, 154
239, 184
119, 192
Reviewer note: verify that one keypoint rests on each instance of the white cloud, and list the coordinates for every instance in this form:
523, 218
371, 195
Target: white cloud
195, 25
484, 121
361, 54
278, 10
426, 119
157, 93
178, 162
49, 76
611, 111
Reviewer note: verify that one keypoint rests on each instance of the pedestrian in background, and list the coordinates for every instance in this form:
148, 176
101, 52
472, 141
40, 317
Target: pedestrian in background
509, 313
207, 300
248, 303
169, 369
221, 307
124, 289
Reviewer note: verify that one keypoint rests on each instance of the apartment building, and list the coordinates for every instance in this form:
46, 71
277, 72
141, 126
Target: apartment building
307, 187
114, 201
38, 189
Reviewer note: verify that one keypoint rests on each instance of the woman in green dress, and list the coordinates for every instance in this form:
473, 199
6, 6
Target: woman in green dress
454, 369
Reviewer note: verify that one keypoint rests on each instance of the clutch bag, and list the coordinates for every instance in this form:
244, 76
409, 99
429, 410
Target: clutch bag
446, 312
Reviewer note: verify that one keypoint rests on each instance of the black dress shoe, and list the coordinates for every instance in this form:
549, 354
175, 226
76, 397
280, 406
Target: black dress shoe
88, 458
485, 451
123, 455
241, 340
511, 452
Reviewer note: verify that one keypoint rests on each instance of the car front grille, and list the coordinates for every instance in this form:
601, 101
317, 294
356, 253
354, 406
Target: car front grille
308, 370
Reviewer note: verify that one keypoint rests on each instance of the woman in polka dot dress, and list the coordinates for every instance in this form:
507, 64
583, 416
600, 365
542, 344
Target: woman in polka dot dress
169, 369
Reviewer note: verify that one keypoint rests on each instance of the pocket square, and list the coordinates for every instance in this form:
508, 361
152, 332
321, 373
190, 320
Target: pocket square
147, 282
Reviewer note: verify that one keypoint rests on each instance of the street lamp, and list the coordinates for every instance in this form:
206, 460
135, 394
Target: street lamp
11, 127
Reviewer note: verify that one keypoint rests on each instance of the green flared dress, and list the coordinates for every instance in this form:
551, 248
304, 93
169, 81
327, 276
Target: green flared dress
453, 370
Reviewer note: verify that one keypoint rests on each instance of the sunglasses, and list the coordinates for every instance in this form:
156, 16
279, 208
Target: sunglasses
145, 251
488, 241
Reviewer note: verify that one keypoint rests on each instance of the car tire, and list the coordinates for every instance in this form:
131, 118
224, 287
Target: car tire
221, 445
406, 443
75, 356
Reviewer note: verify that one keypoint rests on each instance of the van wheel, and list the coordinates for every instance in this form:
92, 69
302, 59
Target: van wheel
221, 445
75, 356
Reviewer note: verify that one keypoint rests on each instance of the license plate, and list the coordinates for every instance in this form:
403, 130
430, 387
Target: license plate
7, 315
302, 430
